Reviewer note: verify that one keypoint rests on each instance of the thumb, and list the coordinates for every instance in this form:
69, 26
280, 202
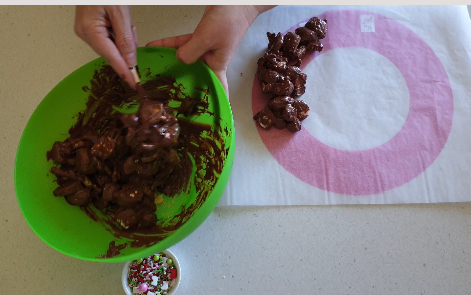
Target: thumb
192, 50
222, 75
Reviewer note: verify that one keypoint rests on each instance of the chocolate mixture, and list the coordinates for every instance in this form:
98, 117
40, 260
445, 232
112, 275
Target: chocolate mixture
280, 77
125, 151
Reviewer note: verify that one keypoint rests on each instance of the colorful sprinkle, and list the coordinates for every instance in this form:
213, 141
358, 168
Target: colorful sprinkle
155, 281
152, 275
173, 274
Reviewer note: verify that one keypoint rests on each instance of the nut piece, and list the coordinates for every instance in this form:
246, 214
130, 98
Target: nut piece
151, 112
68, 188
104, 148
130, 165
128, 219
274, 42
264, 118
130, 195
85, 162
59, 152
289, 113
147, 218
317, 25
302, 109
110, 191
80, 198
294, 126
129, 120
306, 34
279, 102
290, 45
158, 199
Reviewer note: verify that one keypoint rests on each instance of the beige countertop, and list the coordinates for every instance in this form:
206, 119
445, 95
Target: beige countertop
377, 249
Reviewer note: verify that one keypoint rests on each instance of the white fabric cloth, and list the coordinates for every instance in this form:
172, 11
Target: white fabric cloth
390, 116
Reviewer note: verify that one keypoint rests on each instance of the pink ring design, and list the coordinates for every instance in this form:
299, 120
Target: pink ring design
405, 156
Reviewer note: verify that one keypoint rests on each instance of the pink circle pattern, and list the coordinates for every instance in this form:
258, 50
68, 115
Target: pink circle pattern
405, 156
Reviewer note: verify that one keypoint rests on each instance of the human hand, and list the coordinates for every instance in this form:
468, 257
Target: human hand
92, 25
216, 37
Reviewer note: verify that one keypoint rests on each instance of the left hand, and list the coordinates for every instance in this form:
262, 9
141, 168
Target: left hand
92, 23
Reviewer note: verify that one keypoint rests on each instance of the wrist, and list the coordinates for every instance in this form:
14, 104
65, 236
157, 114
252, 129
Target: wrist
251, 12
262, 8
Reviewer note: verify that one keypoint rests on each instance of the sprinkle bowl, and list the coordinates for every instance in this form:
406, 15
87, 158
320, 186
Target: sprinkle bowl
174, 284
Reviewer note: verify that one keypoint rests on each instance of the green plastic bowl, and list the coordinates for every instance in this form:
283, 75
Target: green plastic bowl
67, 228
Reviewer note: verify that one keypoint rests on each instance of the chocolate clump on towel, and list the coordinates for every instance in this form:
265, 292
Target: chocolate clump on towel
281, 78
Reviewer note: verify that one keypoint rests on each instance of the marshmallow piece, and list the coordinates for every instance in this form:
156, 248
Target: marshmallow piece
164, 285
143, 287
150, 293
135, 290
154, 281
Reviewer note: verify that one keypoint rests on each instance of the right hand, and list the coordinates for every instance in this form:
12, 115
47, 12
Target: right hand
216, 38
91, 25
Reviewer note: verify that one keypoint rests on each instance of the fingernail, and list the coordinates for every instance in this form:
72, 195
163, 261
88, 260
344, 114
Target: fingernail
134, 32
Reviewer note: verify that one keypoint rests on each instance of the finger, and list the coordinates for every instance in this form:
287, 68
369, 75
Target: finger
134, 34
172, 42
192, 50
124, 38
222, 75
107, 49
